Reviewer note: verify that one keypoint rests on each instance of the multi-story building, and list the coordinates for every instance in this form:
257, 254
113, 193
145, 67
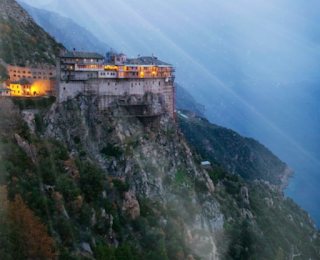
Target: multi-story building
26, 81
113, 76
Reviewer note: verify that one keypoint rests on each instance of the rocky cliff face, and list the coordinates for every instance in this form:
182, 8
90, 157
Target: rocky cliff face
110, 185
149, 154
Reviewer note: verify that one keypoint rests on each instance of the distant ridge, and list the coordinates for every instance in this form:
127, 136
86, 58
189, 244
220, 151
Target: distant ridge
66, 31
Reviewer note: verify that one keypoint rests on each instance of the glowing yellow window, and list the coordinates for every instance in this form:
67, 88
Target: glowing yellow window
71, 67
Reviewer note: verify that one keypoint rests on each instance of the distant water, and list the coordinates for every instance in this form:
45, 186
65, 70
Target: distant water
285, 117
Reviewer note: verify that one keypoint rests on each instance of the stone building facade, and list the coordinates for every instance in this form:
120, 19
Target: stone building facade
36, 81
114, 77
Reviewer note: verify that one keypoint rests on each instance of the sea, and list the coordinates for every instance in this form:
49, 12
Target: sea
285, 117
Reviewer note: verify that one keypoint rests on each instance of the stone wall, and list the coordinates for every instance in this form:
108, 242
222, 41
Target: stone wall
110, 90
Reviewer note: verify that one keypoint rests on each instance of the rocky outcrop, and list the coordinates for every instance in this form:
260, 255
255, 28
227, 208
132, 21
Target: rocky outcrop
131, 205
151, 156
26, 147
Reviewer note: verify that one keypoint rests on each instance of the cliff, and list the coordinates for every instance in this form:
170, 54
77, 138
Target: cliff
111, 185
86, 183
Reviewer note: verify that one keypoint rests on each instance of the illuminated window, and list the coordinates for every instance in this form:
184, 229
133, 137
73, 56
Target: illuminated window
77, 60
91, 60
85, 60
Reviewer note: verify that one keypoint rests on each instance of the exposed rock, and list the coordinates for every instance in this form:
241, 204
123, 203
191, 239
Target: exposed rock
245, 213
131, 205
86, 247
269, 202
25, 147
244, 192
64, 212
143, 153
28, 116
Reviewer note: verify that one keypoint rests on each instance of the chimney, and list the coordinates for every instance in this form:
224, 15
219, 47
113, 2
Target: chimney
152, 56
74, 51
138, 56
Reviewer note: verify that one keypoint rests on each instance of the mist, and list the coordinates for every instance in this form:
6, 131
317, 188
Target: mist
253, 64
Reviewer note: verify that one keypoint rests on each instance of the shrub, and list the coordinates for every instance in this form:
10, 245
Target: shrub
111, 150
91, 182
120, 185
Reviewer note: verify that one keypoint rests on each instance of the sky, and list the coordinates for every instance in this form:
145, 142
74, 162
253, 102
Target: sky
253, 63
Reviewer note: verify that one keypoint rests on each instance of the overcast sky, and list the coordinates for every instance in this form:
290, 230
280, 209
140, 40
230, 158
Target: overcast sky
274, 37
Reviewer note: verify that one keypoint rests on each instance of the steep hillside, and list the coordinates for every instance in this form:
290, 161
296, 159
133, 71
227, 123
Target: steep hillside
22, 41
185, 101
108, 186
237, 154
66, 31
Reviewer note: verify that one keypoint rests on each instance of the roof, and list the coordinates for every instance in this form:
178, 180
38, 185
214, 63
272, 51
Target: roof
147, 61
205, 163
88, 55
22, 82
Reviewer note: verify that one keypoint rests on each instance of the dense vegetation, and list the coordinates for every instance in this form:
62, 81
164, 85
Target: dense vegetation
260, 222
76, 206
63, 194
237, 154
24, 41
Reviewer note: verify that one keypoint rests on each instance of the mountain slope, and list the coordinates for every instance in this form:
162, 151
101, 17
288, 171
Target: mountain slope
22, 41
106, 185
110, 186
66, 31
237, 154
185, 101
